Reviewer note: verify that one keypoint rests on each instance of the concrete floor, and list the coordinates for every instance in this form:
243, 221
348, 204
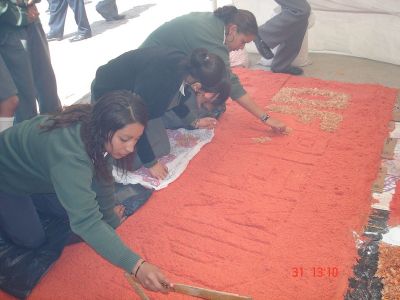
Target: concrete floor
346, 68
75, 64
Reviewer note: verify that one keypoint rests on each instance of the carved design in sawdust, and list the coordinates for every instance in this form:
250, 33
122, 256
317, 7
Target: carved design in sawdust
307, 102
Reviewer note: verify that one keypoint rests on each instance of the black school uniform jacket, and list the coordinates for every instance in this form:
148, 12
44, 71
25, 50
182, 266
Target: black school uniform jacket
156, 75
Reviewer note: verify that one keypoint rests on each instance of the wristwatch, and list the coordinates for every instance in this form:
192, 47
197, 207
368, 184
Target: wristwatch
264, 118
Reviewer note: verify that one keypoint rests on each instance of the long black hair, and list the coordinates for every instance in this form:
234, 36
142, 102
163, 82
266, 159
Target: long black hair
100, 121
244, 20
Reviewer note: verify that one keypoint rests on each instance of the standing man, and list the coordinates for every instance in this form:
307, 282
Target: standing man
58, 13
285, 30
25, 64
16, 65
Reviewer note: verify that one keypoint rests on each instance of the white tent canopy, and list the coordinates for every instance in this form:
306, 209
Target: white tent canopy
362, 28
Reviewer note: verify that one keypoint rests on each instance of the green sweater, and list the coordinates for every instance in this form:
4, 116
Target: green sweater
196, 30
33, 161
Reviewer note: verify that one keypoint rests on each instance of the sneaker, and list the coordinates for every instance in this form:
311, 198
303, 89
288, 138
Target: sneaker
290, 70
53, 37
116, 18
80, 37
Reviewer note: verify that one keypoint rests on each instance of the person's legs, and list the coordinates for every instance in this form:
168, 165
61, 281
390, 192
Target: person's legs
286, 29
14, 53
108, 9
78, 6
20, 221
288, 50
49, 205
58, 13
43, 73
8, 97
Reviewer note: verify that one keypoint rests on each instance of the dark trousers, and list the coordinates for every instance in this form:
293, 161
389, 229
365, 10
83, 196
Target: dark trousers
287, 29
58, 13
13, 49
43, 73
19, 217
107, 8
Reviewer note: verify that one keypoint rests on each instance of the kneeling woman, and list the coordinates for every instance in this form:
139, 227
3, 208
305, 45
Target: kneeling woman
164, 78
67, 155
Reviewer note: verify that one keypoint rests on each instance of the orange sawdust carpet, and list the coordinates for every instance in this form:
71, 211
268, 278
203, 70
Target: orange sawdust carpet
254, 213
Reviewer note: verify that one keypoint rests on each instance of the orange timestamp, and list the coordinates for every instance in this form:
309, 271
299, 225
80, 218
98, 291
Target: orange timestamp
318, 271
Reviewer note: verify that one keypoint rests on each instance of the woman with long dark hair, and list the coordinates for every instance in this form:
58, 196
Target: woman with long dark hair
63, 163
165, 78
226, 29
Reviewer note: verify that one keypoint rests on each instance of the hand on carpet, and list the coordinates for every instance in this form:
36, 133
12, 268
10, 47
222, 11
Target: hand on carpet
206, 123
276, 125
159, 170
151, 277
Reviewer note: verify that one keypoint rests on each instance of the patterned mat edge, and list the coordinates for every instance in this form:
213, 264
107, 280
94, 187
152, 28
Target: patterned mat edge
365, 284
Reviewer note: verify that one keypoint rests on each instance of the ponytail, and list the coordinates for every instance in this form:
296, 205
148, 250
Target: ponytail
244, 20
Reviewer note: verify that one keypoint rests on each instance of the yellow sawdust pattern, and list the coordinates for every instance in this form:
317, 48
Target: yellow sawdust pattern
294, 96
329, 120
308, 109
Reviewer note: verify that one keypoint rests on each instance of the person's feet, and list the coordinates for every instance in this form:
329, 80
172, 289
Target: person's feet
116, 18
290, 70
53, 37
81, 36
263, 48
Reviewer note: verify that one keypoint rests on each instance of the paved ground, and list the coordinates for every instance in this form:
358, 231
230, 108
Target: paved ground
75, 64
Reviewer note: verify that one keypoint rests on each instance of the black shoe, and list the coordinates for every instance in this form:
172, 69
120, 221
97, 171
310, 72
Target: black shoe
263, 49
116, 18
53, 37
80, 37
290, 70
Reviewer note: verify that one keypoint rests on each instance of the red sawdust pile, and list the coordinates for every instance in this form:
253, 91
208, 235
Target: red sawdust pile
272, 220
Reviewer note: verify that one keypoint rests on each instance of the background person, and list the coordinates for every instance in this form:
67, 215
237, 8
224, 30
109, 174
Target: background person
285, 30
58, 14
25, 61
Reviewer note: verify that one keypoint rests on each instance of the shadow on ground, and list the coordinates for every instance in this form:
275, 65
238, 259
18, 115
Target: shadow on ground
99, 27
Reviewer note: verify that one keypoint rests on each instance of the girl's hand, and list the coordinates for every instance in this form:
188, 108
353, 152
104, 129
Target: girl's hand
159, 171
150, 277
206, 123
